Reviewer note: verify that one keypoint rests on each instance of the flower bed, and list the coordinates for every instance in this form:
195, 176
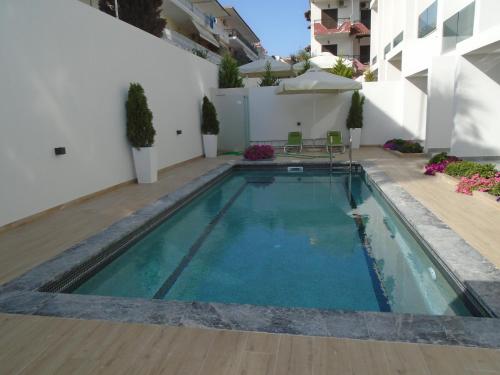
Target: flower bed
259, 152
438, 163
403, 146
472, 176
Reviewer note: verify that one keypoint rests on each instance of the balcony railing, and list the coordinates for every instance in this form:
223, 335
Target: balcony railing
189, 45
205, 19
236, 34
330, 26
459, 27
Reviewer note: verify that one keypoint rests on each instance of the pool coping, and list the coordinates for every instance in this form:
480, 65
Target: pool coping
470, 269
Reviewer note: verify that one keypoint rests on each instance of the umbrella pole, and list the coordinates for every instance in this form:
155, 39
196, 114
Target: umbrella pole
350, 150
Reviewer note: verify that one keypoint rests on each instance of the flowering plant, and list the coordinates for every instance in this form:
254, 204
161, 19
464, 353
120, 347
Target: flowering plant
402, 145
468, 184
440, 166
259, 152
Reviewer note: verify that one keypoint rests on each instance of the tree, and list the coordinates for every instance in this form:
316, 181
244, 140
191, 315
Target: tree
269, 79
303, 55
341, 69
209, 122
144, 14
229, 74
305, 67
355, 117
370, 76
140, 130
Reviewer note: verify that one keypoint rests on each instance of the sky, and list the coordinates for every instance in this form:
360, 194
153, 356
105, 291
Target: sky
280, 24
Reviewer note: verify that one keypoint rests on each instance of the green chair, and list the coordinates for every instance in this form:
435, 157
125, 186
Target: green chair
334, 140
294, 141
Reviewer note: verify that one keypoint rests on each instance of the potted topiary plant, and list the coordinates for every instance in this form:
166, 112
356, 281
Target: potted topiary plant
209, 128
355, 119
141, 134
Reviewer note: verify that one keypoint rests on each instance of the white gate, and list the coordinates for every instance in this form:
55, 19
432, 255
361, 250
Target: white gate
233, 115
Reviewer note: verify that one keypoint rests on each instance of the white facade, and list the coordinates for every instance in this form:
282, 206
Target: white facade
327, 34
447, 54
65, 74
205, 26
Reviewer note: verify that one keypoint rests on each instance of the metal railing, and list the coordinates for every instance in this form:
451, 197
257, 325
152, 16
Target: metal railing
233, 33
205, 19
331, 24
187, 44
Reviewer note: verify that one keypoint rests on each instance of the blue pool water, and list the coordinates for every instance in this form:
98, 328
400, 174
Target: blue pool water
269, 238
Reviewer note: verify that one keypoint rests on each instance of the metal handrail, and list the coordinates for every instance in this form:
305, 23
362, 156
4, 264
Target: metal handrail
236, 33
338, 22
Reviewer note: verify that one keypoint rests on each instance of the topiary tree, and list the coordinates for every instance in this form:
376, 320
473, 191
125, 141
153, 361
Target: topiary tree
229, 74
370, 76
355, 117
341, 69
140, 130
144, 14
269, 79
209, 122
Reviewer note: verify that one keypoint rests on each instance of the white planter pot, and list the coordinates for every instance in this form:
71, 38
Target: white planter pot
210, 145
355, 135
145, 164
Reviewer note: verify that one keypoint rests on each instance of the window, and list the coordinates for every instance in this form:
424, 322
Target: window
427, 20
458, 27
387, 49
366, 18
398, 39
332, 48
364, 54
330, 18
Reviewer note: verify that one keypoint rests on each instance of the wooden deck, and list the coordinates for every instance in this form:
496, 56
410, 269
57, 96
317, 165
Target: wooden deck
51, 345
40, 345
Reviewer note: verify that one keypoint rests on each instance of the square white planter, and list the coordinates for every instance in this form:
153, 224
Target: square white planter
145, 164
355, 135
210, 145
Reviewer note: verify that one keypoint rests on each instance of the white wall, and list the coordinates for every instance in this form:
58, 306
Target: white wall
476, 130
66, 68
441, 105
272, 116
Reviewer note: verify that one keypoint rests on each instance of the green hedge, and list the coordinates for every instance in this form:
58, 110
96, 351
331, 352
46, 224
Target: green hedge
470, 168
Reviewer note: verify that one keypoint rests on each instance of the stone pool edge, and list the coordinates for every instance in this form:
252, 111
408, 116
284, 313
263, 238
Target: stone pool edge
21, 295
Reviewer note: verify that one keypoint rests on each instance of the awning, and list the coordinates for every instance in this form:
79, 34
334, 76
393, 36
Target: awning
257, 68
205, 34
316, 81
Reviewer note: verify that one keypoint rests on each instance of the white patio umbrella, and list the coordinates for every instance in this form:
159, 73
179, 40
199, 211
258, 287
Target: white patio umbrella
316, 81
325, 60
257, 68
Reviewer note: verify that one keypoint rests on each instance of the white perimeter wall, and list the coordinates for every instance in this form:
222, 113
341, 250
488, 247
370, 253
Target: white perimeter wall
65, 72
476, 126
272, 116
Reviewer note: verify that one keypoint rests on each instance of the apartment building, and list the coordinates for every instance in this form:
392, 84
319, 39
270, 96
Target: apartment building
341, 27
207, 27
446, 54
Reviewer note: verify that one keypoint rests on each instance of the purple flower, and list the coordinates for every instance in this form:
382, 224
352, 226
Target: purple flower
259, 152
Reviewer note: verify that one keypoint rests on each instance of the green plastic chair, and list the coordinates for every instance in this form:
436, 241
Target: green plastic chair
294, 140
334, 140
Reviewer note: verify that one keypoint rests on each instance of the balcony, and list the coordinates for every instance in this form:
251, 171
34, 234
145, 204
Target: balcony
189, 45
340, 26
235, 34
200, 17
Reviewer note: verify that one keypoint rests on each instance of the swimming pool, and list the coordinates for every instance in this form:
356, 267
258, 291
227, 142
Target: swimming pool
296, 240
